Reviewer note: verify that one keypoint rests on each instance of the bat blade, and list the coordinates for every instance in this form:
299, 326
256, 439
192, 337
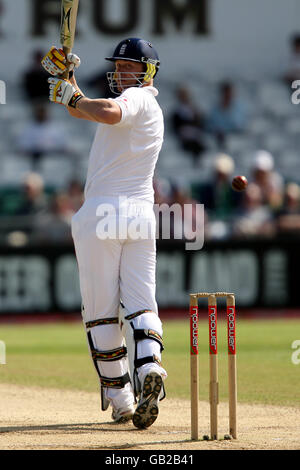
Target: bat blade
69, 10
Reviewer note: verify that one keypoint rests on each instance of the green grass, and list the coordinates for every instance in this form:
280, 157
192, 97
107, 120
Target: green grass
266, 373
56, 355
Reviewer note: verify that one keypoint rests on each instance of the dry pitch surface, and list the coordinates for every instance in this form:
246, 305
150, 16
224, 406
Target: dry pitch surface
40, 419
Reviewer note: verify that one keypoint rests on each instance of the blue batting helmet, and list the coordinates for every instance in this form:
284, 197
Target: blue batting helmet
137, 50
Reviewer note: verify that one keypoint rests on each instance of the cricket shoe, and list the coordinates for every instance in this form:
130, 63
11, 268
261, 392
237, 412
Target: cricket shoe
147, 408
122, 415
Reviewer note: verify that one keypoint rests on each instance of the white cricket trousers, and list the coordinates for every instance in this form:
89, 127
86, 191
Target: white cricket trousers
114, 269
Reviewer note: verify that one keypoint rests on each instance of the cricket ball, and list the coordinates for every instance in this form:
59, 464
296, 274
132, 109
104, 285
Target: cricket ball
239, 183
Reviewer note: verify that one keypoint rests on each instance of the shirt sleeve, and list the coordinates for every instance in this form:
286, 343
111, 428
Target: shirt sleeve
130, 102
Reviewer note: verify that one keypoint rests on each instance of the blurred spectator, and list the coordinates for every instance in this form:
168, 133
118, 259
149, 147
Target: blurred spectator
42, 135
55, 225
34, 199
188, 123
217, 195
1, 15
162, 190
75, 195
228, 116
288, 218
187, 220
293, 68
269, 181
162, 201
254, 218
34, 80
177, 214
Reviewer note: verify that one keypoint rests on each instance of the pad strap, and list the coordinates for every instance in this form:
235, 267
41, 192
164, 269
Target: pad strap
145, 360
148, 334
115, 382
103, 321
108, 356
136, 314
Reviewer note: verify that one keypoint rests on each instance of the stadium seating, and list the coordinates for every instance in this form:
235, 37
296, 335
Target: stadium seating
274, 124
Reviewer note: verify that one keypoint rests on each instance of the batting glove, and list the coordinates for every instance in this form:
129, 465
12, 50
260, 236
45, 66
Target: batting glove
63, 92
56, 62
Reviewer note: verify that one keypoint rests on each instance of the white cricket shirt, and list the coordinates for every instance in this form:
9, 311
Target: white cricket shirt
123, 156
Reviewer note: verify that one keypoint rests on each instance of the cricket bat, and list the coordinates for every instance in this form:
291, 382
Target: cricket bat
69, 9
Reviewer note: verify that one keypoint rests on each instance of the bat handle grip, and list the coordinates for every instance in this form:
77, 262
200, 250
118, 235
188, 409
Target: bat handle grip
67, 51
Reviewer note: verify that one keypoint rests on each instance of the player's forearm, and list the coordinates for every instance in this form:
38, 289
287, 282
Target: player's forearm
100, 110
68, 93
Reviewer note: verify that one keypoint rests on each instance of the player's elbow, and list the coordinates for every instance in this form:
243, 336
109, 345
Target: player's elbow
111, 114
112, 118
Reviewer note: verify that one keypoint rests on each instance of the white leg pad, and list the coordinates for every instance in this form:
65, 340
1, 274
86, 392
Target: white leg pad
105, 342
143, 336
105, 338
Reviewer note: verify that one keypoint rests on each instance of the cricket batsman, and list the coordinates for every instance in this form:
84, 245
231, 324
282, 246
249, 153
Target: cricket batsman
117, 271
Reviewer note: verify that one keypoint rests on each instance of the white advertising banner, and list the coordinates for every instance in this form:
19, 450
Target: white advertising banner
212, 38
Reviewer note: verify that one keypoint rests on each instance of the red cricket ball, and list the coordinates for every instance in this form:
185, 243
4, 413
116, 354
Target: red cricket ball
239, 183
